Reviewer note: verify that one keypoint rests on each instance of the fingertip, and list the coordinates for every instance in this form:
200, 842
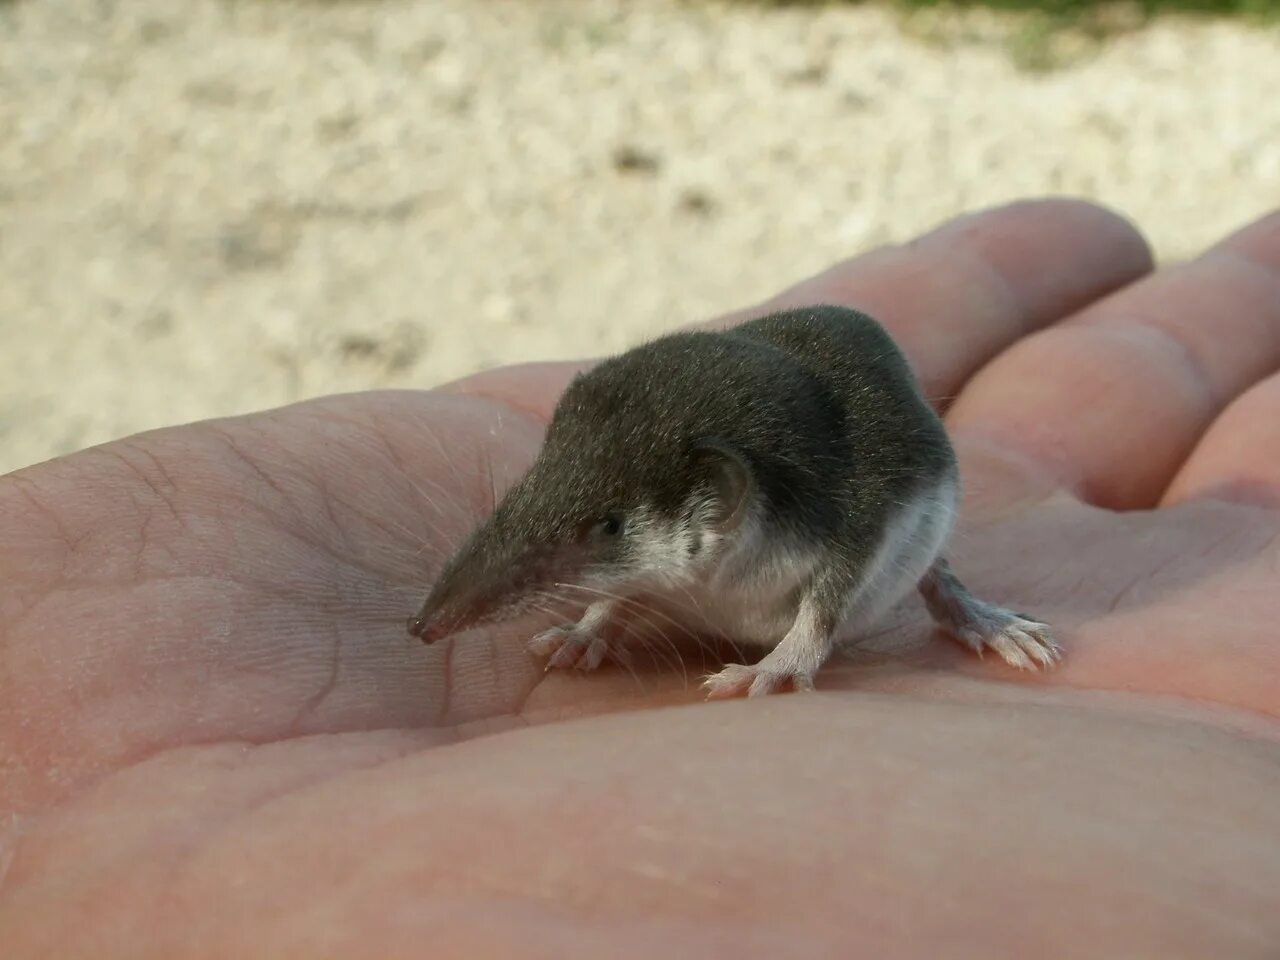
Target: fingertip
1098, 240
1073, 212
1258, 241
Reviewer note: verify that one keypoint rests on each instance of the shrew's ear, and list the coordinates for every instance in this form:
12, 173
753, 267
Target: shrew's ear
731, 479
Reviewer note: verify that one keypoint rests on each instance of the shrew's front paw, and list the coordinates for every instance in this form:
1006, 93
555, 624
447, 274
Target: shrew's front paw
755, 681
570, 647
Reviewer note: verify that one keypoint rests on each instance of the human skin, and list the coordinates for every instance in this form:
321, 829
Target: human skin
216, 739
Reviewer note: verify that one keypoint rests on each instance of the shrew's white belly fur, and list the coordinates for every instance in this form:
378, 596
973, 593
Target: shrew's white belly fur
753, 594
912, 541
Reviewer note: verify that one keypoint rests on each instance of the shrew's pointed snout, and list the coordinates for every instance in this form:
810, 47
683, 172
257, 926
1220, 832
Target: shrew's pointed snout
426, 628
486, 581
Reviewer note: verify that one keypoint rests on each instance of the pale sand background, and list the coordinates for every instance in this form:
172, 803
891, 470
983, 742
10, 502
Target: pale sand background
209, 207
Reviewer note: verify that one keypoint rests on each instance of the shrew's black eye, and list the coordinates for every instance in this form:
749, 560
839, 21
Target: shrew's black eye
609, 525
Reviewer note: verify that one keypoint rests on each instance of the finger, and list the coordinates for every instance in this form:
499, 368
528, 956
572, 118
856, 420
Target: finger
1239, 457
1113, 401
964, 292
531, 389
952, 298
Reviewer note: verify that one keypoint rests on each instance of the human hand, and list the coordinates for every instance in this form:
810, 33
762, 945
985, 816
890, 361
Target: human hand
217, 740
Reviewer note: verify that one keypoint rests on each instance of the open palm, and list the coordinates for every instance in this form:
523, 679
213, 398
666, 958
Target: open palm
217, 740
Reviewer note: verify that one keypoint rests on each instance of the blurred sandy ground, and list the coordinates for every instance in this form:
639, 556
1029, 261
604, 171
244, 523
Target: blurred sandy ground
209, 207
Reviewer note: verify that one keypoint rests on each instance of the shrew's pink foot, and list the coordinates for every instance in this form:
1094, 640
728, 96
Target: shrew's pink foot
758, 680
1021, 641
583, 645
568, 647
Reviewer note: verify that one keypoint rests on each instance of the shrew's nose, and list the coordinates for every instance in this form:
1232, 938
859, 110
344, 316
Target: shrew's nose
427, 628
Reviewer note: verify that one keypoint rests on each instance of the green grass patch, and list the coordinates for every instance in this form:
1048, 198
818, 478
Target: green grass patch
1046, 35
1068, 8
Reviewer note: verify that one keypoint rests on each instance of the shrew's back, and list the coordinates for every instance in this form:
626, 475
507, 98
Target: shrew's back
893, 431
